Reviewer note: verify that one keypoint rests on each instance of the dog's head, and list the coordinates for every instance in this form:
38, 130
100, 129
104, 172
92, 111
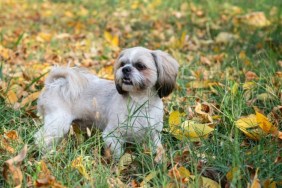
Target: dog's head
138, 69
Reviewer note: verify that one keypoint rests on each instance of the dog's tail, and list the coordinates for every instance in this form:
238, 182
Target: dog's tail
67, 82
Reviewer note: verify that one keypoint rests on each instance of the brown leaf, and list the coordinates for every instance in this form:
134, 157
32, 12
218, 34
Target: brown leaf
4, 144
30, 98
12, 135
250, 76
12, 172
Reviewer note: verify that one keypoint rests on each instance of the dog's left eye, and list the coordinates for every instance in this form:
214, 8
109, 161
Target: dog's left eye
140, 66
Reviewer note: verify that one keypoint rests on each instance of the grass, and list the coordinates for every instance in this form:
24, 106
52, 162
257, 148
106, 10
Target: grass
33, 40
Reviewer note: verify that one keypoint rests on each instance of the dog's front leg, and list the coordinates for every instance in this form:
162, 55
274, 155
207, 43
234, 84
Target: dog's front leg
158, 148
115, 142
56, 125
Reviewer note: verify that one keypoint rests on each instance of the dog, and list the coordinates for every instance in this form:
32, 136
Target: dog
128, 109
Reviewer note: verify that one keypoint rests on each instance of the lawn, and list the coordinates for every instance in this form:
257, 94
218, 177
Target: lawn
222, 123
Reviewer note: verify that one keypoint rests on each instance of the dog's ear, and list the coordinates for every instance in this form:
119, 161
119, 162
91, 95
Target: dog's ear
167, 68
119, 89
116, 66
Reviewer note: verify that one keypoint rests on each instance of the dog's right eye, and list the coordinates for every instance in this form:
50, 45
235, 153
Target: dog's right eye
122, 64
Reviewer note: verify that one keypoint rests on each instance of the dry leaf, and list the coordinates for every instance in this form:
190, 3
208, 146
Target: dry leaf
249, 126
112, 39
255, 182
175, 118
11, 135
201, 84
78, 164
11, 169
106, 72
11, 97
148, 178
125, 161
116, 183
191, 129
224, 37
254, 19
30, 98
206, 116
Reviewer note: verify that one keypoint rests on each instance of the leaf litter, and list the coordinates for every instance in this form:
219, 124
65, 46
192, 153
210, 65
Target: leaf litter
50, 33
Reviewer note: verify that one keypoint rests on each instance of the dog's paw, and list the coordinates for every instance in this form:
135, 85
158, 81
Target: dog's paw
160, 154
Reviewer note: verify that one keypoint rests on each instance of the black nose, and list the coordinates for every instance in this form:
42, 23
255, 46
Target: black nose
126, 70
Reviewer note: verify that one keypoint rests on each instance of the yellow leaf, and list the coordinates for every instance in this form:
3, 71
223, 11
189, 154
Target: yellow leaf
30, 98
175, 118
265, 97
204, 182
264, 124
191, 129
148, 178
184, 172
255, 182
233, 172
249, 85
254, 19
44, 37
11, 97
195, 130
106, 72
5, 52
125, 161
78, 164
112, 39
201, 84
209, 183
234, 89
249, 126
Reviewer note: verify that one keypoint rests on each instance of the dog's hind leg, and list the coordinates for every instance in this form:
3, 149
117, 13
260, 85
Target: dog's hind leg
56, 126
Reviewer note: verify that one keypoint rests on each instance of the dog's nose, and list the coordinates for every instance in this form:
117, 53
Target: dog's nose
126, 70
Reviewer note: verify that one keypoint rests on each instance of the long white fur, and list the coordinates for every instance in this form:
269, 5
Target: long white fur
72, 94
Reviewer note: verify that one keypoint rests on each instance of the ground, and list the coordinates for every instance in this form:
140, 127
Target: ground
221, 125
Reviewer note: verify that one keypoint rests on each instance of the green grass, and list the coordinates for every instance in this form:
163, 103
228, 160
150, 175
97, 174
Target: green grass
152, 26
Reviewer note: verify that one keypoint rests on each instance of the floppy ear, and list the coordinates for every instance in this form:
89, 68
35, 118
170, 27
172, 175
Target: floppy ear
116, 66
119, 89
167, 68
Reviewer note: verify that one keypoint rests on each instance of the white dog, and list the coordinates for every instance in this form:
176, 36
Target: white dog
129, 109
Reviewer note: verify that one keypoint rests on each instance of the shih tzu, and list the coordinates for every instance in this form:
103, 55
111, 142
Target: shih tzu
129, 109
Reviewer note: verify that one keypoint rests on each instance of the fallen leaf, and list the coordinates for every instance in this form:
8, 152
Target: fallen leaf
234, 172
4, 144
11, 135
78, 164
175, 118
11, 97
112, 39
249, 76
254, 19
201, 84
148, 178
206, 116
11, 169
255, 182
125, 161
265, 125
249, 126
106, 72
224, 37
191, 129
30, 98
116, 183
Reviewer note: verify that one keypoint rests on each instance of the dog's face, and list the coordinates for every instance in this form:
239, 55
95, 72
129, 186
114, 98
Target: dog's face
138, 69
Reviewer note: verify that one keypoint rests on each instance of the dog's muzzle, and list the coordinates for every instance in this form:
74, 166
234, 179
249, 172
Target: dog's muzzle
126, 75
